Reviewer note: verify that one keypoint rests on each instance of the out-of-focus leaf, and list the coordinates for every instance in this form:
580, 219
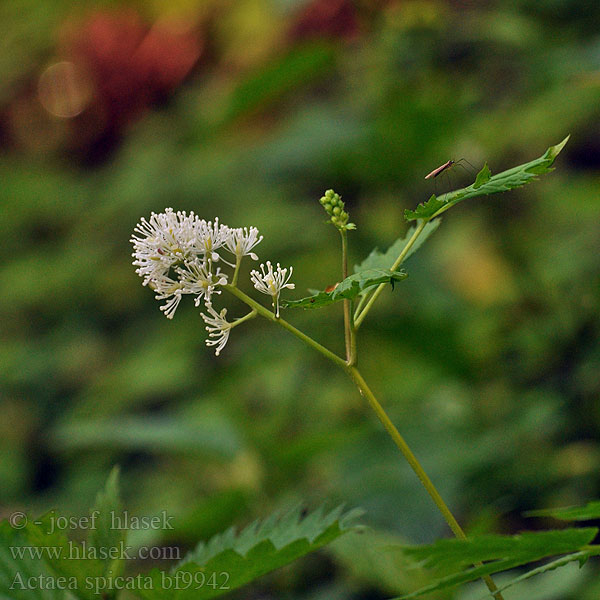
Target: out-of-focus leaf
104, 534
364, 555
229, 561
452, 560
581, 557
154, 434
570, 513
384, 260
347, 289
18, 567
97, 561
294, 69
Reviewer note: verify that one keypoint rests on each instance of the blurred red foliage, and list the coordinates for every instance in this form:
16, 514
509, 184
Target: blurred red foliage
326, 18
132, 66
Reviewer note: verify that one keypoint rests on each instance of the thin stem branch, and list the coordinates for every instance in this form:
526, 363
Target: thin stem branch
349, 331
361, 303
366, 392
267, 314
416, 466
413, 238
236, 272
406, 451
243, 319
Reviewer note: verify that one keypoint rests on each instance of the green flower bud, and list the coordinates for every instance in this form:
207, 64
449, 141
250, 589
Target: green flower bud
334, 207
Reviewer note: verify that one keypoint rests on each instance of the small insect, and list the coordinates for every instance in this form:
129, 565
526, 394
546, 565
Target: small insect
449, 165
440, 169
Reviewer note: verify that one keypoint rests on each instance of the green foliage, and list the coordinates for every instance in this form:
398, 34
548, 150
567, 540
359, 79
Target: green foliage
483, 176
103, 555
581, 557
229, 561
453, 560
383, 260
426, 210
347, 289
41, 550
16, 571
104, 535
82, 343
486, 184
213, 437
284, 74
571, 513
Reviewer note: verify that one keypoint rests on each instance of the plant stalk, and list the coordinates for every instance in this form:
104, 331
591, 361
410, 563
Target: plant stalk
349, 330
267, 314
366, 392
412, 460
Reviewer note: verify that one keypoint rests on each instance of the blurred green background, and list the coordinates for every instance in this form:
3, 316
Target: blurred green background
487, 357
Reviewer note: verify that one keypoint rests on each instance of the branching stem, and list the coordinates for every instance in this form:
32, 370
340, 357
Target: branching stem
413, 238
366, 392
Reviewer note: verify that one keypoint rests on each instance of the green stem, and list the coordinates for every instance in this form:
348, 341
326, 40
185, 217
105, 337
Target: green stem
243, 319
415, 465
406, 451
238, 262
267, 314
366, 392
413, 238
349, 331
361, 303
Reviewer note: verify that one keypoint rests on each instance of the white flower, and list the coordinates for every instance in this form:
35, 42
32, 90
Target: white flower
240, 241
211, 236
172, 294
272, 282
217, 327
196, 277
165, 240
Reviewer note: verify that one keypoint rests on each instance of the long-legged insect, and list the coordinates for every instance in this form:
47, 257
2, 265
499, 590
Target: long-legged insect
445, 168
447, 165
440, 169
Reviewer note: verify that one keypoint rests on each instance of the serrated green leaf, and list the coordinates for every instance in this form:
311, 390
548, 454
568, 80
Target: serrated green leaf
23, 575
502, 182
570, 513
347, 289
483, 176
425, 210
101, 558
452, 560
229, 561
384, 260
63, 557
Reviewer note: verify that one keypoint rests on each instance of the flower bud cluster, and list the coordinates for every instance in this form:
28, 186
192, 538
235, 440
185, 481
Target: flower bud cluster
334, 207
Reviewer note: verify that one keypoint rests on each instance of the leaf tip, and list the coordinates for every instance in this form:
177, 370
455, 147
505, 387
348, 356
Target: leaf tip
483, 176
554, 151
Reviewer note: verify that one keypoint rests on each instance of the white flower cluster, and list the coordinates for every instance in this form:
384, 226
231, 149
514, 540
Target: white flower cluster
272, 282
177, 253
